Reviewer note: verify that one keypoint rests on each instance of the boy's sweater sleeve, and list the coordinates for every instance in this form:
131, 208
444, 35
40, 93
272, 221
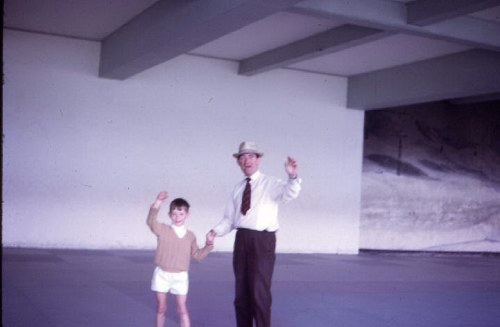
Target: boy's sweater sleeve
198, 253
152, 220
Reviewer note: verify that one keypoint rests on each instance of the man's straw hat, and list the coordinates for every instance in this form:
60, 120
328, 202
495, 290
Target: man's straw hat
248, 147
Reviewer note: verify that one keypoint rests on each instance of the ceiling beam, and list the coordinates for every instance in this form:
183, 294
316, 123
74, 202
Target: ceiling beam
170, 28
391, 16
477, 99
467, 74
426, 12
332, 40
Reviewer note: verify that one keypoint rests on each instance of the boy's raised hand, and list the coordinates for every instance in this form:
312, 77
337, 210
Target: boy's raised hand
162, 196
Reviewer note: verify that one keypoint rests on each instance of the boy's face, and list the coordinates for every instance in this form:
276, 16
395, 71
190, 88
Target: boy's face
178, 215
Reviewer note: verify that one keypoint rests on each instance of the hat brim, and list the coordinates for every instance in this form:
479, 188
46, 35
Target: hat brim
237, 155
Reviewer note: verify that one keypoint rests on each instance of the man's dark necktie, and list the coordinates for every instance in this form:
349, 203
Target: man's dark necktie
246, 199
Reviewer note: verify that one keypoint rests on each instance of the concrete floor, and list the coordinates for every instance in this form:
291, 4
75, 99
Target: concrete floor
76, 288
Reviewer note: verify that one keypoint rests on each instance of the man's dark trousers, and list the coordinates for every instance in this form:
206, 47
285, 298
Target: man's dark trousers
253, 263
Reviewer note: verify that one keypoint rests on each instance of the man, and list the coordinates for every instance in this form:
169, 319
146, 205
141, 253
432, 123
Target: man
254, 213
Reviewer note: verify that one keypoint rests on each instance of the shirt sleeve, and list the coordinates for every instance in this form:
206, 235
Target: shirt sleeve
289, 190
227, 222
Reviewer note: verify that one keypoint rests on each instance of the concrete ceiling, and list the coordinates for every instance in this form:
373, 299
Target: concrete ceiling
394, 53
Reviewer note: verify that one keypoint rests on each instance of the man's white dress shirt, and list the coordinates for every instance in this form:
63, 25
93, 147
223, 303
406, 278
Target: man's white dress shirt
267, 193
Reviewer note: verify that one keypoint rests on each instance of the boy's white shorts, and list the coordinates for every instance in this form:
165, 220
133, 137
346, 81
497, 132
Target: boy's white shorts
175, 283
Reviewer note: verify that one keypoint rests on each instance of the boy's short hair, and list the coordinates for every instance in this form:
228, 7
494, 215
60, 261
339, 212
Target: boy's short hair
179, 203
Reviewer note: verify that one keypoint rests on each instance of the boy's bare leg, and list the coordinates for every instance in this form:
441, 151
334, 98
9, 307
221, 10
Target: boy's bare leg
182, 310
161, 308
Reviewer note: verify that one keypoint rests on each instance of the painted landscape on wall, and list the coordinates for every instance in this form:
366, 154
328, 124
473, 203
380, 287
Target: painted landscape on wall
431, 178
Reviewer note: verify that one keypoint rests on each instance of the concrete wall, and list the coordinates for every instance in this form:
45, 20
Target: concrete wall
84, 157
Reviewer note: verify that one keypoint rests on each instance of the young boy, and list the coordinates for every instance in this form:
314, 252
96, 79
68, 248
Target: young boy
176, 245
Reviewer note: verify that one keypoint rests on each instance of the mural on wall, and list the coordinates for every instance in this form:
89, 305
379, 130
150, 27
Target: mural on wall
431, 178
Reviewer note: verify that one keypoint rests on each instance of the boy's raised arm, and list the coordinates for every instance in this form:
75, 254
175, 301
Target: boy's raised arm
162, 196
153, 211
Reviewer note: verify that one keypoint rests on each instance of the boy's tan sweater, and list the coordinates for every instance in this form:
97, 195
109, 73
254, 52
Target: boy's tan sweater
173, 254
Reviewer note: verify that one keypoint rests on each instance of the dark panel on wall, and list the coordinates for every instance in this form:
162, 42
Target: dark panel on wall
431, 178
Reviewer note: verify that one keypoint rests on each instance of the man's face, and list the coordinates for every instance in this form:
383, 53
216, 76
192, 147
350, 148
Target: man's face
249, 163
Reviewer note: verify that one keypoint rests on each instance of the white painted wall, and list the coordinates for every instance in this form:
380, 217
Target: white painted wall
84, 157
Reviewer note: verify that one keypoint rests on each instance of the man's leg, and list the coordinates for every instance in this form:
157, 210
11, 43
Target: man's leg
242, 300
261, 272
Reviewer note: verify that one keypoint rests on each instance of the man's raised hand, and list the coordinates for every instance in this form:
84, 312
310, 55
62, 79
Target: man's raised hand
291, 167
